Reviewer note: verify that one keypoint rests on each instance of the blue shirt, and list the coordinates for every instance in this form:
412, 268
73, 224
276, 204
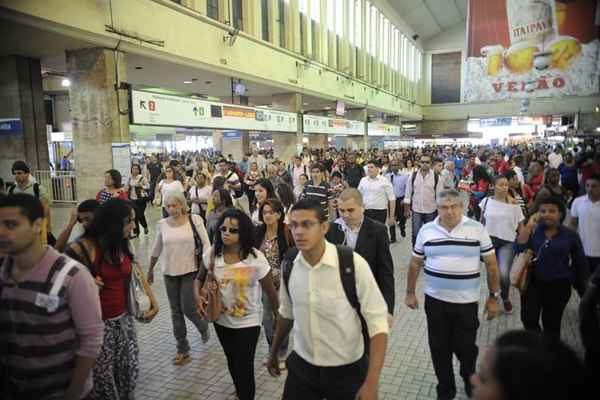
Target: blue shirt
398, 183
561, 257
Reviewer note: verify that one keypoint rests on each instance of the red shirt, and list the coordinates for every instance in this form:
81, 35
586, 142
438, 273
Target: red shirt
535, 183
113, 294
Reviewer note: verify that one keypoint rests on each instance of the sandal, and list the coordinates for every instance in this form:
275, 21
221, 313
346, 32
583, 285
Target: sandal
182, 359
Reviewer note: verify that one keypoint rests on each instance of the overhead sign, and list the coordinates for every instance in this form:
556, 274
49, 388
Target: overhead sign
165, 110
378, 129
231, 135
527, 48
334, 126
11, 126
490, 122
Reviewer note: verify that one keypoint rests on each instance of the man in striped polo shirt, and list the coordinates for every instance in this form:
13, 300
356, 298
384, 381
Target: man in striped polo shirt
51, 326
449, 248
317, 188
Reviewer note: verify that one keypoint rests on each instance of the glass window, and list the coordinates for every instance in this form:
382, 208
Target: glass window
386, 41
281, 15
373, 29
265, 19
330, 15
237, 14
351, 23
315, 10
303, 6
339, 17
212, 9
358, 24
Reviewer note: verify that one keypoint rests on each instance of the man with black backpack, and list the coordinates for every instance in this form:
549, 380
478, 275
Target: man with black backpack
330, 297
421, 193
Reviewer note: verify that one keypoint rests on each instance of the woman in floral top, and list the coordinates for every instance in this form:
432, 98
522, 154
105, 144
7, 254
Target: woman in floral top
113, 187
273, 239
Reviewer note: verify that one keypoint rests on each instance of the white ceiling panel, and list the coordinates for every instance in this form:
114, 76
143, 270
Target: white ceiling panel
462, 7
445, 12
405, 6
422, 21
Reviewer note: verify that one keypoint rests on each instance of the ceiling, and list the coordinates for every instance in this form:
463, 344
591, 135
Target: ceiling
428, 18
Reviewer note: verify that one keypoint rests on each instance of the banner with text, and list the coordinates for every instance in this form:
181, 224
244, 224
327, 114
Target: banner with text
165, 110
531, 48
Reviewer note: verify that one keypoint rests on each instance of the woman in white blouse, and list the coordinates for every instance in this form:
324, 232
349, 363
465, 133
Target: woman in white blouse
503, 218
243, 273
175, 248
137, 190
199, 193
168, 186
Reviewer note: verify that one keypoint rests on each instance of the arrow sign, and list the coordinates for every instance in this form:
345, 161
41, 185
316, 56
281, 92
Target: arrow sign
143, 104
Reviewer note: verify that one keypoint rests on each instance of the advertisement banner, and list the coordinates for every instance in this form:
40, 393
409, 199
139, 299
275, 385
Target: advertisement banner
531, 48
334, 126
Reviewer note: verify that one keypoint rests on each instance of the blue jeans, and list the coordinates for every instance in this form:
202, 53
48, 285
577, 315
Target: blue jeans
504, 256
418, 220
269, 326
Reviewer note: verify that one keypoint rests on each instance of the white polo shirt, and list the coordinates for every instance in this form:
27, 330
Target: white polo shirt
377, 192
327, 330
452, 259
588, 225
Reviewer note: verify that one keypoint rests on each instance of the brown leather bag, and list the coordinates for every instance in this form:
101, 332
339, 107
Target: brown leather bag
211, 293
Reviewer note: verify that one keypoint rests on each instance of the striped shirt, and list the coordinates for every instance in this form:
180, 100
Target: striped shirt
321, 193
452, 259
39, 345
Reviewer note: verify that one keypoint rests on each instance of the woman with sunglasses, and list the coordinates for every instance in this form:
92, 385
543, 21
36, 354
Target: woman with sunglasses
243, 273
273, 239
221, 201
175, 242
104, 249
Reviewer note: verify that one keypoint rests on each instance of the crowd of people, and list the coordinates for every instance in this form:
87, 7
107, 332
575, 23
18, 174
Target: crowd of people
303, 247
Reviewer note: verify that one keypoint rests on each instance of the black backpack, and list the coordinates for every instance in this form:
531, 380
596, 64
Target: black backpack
346, 262
36, 189
436, 178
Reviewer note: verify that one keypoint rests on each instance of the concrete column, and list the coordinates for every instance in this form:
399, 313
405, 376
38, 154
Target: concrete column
99, 112
217, 138
22, 98
237, 145
284, 146
291, 102
318, 141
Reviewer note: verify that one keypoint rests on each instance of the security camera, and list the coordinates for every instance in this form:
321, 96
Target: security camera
231, 36
415, 37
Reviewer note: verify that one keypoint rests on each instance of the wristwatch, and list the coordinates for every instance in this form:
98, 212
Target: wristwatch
494, 295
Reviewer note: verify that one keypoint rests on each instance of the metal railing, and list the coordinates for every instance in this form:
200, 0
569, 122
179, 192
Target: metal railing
60, 185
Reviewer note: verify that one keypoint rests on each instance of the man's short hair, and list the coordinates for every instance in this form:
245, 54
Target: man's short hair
318, 166
311, 204
30, 206
20, 165
449, 194
351, 194
375, 163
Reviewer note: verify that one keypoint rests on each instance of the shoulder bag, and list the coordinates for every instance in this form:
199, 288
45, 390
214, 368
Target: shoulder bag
211, 293
138, 301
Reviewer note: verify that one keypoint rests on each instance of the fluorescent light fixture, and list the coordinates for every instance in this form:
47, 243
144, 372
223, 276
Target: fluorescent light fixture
598, 129
187, 81
65, 82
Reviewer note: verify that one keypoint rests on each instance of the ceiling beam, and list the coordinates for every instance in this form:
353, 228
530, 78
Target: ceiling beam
459, 9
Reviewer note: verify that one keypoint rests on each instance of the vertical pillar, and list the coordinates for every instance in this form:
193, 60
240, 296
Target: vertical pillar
22, 97
318, 141
273, 14
365, 118
99, 113
291, 102
236, 143
284, 146
217, 139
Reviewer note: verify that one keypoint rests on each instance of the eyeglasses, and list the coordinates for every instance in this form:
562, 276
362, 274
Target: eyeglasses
233, 231
304, 224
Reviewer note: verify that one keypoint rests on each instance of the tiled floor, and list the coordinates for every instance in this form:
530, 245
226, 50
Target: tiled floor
407, 374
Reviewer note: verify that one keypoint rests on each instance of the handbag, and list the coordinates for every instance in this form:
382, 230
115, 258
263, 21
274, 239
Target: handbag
138, 301
520, 271
211, 293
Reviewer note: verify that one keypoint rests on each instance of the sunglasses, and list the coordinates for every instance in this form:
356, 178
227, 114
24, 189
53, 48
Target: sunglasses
233, 231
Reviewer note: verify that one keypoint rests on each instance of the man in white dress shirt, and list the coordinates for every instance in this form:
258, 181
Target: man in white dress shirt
329, 359
378, 195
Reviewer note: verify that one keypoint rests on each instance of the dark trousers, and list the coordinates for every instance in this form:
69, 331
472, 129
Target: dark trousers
452, 329
418, 220
377, 215
593, 263
239, 346
400, 219
547, 299
309, 382
165, 213
140, 216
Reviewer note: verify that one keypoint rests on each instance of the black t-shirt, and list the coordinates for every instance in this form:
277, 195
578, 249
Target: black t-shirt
154, 170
